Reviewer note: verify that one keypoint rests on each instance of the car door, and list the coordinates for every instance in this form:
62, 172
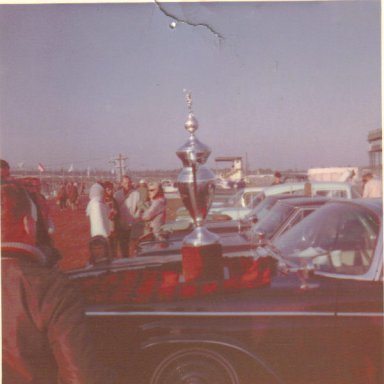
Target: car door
357, 266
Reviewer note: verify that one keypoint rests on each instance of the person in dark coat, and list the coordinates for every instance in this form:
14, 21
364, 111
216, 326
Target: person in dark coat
45, 338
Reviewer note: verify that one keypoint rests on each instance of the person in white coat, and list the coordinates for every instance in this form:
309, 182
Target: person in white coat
97, 211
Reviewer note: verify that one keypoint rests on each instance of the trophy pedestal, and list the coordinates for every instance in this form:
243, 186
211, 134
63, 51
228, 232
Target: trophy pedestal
202, 260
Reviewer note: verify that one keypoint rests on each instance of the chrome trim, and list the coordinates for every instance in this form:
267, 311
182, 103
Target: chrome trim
360, 314
206, 314
233, 314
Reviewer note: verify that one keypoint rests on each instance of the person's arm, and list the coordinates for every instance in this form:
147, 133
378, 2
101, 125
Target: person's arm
156, 208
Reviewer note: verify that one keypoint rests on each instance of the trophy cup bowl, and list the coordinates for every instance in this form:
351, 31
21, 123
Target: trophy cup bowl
196, 196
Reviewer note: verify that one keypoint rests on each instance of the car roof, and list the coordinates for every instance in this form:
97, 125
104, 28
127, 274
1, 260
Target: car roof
287, 187
305, 201
374, 204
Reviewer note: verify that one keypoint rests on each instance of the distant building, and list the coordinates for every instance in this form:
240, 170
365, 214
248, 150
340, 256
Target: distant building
375, 150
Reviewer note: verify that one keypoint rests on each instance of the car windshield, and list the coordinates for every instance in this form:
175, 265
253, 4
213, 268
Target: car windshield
272, 220
339, 238
261, 209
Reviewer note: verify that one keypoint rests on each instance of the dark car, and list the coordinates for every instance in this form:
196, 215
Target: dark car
283, 215
278, 216
306, 309
178, 229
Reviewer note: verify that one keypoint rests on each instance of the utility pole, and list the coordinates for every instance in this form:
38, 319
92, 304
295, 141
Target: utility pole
119, 164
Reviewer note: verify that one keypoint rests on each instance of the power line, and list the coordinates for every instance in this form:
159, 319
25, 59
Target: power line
119, 163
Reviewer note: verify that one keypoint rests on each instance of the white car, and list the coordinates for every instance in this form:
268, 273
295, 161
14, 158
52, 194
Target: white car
333, 189
240, 199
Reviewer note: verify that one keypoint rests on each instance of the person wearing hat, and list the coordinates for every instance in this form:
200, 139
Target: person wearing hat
277, 178
97, 211
155, 214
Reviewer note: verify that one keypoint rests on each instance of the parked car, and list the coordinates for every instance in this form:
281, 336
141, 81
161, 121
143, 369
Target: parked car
332, 189
284, 214
177, 229
306, 309
236, 236
240, 199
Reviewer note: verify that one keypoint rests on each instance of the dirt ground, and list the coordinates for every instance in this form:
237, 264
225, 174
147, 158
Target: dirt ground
72, 232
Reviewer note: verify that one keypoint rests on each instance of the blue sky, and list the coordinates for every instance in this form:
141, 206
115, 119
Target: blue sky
289, 85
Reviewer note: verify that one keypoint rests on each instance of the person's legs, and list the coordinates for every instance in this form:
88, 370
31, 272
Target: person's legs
113, 245
124, 238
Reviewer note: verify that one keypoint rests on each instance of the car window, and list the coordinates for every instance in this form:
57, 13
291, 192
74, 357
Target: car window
337, 193
272, 220
342, 236
296, 192
247, 197
300, 215
261, 208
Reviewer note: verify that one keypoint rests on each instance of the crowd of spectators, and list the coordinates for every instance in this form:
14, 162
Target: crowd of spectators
126, 215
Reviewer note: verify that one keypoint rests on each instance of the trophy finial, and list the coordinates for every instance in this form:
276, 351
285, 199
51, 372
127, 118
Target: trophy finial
188, 98
191, 124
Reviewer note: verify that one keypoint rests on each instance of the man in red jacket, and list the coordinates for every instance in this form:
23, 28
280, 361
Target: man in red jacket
45, 339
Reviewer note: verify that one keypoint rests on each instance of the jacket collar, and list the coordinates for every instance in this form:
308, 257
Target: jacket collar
28, 250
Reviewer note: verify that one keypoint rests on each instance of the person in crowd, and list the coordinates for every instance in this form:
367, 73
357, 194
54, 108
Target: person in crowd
68, 192
97, 211
277, 178
127, 200
45, 338
372, 186
113, 216
241, 184
155, 214
5, 170
73, 197
62, 196
144, 196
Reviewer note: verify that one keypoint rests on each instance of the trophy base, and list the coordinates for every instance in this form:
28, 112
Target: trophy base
202, 263
200, 237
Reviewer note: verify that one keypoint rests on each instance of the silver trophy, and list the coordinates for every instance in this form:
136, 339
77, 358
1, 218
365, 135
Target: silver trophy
201, 249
